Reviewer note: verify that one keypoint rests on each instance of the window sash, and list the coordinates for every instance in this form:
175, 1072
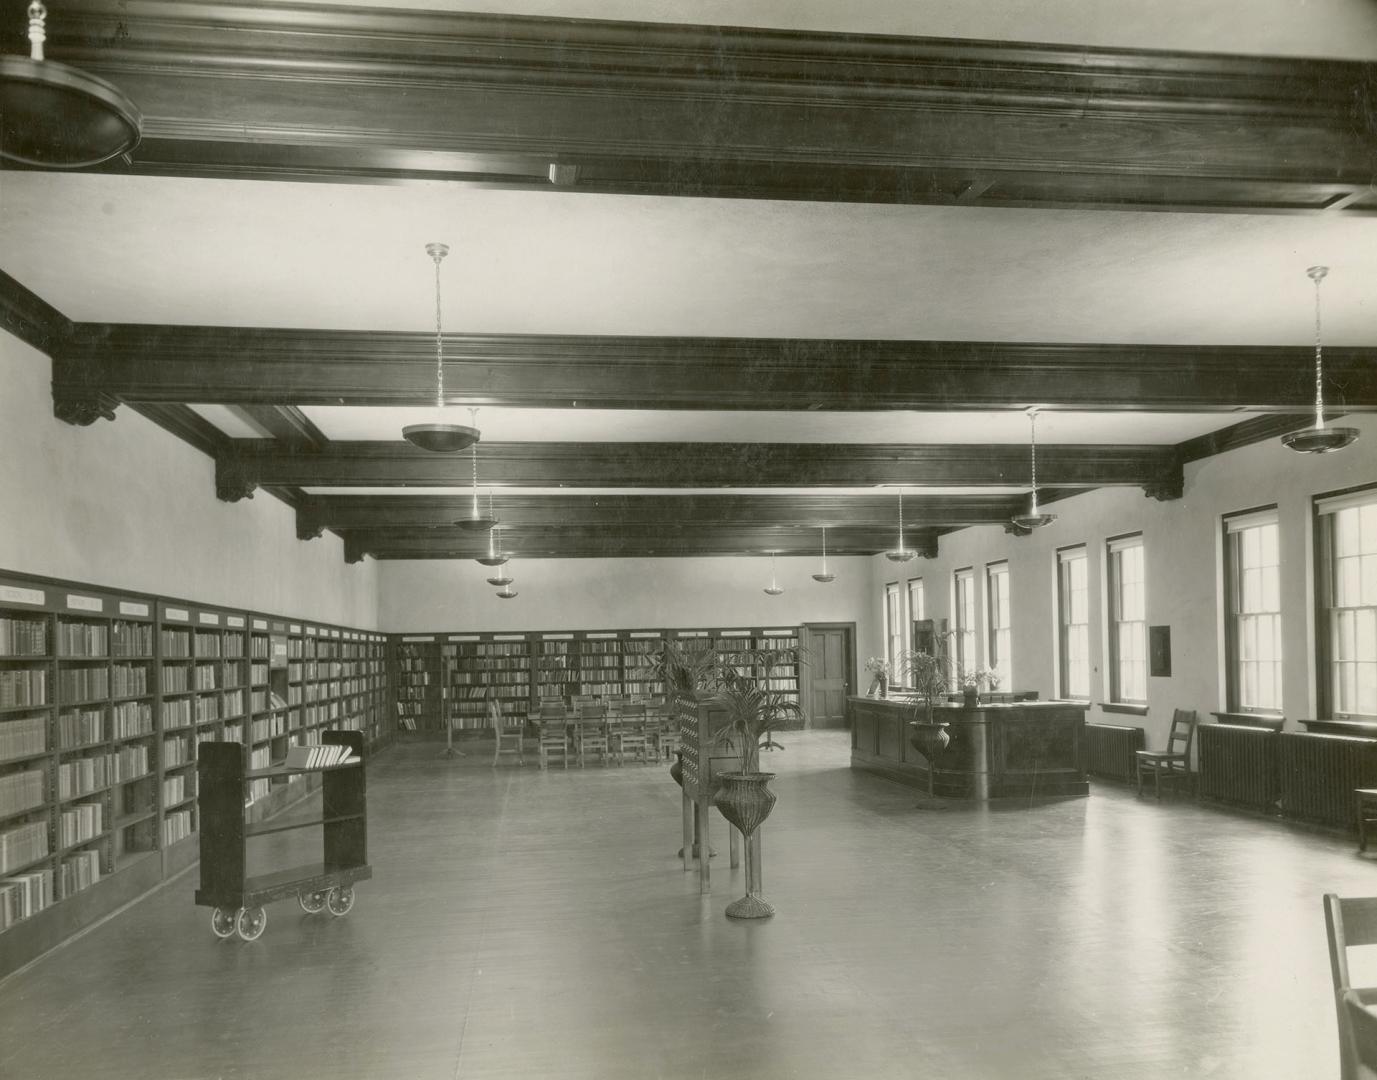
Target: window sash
963, 583
998, 620
1128, 620
1253, 640
1349, 644
1073, 624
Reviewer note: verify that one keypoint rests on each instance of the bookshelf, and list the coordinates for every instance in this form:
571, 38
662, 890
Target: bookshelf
105, 697
474, 662
418, 675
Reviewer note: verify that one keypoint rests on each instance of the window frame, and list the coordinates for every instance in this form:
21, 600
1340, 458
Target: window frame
999, 637
1075, 554
1115, 549
1235, 592
894, 627
1327, 511
965, 639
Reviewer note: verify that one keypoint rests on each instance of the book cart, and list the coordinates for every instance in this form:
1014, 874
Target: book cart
238, 899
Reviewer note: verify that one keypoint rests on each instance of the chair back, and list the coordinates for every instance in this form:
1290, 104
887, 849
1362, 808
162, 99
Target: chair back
552, 726
1362, 1033
1182, 732
592, 712
552, 709
1348, 923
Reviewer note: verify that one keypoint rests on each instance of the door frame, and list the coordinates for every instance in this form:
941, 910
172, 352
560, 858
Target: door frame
806, 684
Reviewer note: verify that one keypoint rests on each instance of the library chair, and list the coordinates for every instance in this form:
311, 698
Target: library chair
509, 736
590, 732
554, 735
1175, 761
1348, 924
629, 731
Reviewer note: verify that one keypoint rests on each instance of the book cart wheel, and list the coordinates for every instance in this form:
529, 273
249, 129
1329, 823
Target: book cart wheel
311, 902
222, 922
340, 900
251, 923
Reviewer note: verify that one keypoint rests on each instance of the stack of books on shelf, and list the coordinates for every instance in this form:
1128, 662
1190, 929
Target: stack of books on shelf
22, 845
21, 791
132, 639
317, 756
129, 680
176, 714
78, 824
80, 871
23, 737
23, 637
83, 684
131, 762
176, 752
83, 639
23, 686
24, 896
83, 775
174, 790
175, 679
176, 826
133, 718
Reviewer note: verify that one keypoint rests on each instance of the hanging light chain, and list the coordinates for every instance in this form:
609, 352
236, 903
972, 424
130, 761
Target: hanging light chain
901, 519
824, 549
438, 252
1033, 448
1317, 275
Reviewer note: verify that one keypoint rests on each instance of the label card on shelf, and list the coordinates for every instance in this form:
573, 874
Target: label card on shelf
464, 637
176, 614
312, 631
260, 624
236, 621
85, 603
128, 607
419, 637
600, 636
510, 637
294, 628
15, 595
209, 618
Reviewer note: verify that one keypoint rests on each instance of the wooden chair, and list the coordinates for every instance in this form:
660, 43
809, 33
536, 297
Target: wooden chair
591, 732
554, 739
1350, 923
629, 731
509, 735
1175, 761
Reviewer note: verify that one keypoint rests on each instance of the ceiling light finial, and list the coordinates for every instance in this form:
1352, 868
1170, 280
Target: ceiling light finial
439, 437
901, 553
1033, 519
1319, 439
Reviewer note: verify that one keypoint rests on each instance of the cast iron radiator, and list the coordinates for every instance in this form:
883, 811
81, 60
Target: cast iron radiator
1238, 765
1319, 774
1109, 750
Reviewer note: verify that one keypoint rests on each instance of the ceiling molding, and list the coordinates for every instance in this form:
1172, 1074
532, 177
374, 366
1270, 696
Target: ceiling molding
262, 366
295, 91
30, 318
1245, 433
250, 462
285, 423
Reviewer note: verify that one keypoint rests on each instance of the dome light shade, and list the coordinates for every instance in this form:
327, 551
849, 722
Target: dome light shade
507, 594
57, 117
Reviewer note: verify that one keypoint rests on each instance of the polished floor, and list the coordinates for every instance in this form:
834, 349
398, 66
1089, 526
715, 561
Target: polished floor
529, 924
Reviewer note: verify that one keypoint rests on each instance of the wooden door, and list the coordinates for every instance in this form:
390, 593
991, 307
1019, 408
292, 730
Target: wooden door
829, 674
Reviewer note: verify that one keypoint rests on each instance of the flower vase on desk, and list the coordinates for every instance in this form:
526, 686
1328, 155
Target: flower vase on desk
971, 697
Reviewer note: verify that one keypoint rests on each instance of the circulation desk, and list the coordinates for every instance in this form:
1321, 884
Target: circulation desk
1023, 750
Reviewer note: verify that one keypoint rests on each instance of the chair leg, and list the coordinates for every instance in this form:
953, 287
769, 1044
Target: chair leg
1157, 782
1140, 779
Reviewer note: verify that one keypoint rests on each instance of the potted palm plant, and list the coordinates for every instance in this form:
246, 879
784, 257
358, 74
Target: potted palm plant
928, 674
750, 709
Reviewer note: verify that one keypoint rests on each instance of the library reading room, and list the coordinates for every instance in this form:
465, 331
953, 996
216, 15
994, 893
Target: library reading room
611, 540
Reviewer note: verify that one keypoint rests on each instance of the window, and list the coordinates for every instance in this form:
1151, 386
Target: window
1252, 640
1348, 590
997, 621
963, 607
894, 627
1127, 622
1073, 624
917, 602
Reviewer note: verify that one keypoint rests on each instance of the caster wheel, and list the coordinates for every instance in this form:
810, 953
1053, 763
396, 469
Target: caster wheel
340, 900
222, 922
251, 922
311, 903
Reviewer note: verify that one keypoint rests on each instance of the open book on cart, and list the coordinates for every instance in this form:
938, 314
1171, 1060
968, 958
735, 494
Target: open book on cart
316, 756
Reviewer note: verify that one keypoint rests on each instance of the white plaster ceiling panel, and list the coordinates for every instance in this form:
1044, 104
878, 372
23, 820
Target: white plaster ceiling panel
231, 422
150, 249
686, 425
582, 492
1323, 28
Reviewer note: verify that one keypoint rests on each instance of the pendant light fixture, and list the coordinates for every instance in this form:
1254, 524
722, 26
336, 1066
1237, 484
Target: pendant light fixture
1033, 519
57, 117
475, 522
507, 594
826, 574
494, 556
501, 578
440, 437
774, 589
901, 553
1319, 439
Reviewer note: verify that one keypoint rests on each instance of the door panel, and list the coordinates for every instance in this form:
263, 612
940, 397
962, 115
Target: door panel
828, 674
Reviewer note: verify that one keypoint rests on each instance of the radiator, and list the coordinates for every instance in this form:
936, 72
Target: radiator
1319, 774
1238, 765
1109, 750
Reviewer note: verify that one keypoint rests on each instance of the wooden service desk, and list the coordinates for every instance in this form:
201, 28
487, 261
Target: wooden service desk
1030, 749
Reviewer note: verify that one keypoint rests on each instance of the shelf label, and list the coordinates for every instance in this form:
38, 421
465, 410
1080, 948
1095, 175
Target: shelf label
85, 603
236, 621
15, 595
209, 618
645, 634
294, 628
260, 624
602, 637
334, 633
176, 614
419, 637
551, 637
464, 637
128, 607
312, 631
509, 637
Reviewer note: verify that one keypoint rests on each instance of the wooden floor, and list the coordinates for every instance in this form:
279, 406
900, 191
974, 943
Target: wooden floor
529, 924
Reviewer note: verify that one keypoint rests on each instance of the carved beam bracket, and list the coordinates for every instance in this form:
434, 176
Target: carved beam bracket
310, 523
232, 481
1166, 488
82, 406
354, 549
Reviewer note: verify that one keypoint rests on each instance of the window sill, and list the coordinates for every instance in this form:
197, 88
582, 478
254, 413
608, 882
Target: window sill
1126, 710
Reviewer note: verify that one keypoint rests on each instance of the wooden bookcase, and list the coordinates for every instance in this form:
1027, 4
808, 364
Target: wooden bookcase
227, 776
105, 698
418, 679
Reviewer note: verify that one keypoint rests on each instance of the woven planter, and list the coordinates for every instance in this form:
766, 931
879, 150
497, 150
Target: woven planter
744, 799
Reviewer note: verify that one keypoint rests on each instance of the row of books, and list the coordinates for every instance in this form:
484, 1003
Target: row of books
318, 756
83, 639
269, 727
79, 823
23, 637
77, 729
260, 647
494, 678
129, 680
24, 896
83, 684
23, 686
259, 674
174, 789
176, 826
23, 845
205, 677
131, 639
207, 709
174, 644
132, 718
234, 703
23, 737
80, 871
260, 758
207, 643
20, 791
176, 752
176, 680
176, 713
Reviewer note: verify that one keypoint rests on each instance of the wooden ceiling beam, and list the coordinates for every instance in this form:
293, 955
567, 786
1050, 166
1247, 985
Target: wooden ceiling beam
252, 463
300, 92
257, 366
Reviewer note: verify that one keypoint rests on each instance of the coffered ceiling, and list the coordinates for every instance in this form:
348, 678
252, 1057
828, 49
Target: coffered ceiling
780, 273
